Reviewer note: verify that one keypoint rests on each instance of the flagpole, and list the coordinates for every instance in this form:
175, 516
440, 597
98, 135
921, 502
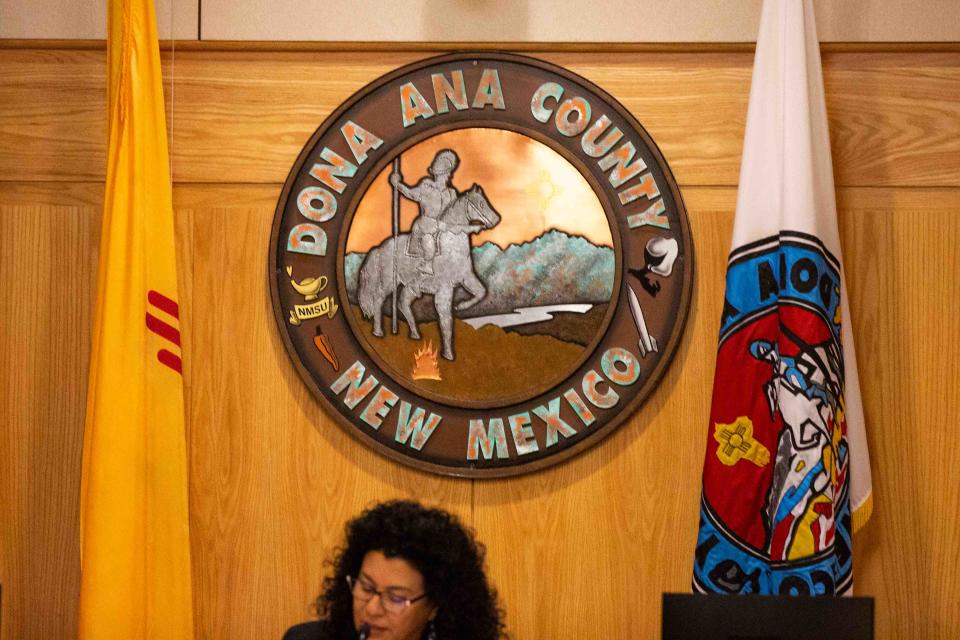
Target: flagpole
396, 234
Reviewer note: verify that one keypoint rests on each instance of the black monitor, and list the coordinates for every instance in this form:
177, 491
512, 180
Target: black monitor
750, 617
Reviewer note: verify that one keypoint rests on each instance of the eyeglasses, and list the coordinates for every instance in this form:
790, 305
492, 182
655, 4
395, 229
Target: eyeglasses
391, 601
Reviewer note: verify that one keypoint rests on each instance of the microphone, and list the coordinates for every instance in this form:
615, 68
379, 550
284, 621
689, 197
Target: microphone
364, 632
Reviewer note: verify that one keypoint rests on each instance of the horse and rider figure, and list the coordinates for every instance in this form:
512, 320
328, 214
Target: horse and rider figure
434, 194
435, 257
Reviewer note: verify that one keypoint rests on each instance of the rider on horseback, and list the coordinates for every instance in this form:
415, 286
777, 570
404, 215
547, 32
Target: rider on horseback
433, 194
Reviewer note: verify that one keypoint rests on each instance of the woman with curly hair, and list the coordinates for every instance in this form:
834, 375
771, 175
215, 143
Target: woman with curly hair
407, 572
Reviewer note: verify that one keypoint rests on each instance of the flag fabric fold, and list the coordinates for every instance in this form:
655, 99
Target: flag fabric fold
134, 532
786, 474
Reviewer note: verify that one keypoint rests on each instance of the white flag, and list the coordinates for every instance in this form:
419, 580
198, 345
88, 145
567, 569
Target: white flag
787, 473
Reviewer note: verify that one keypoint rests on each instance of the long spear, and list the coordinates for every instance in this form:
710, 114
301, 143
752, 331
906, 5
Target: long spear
396, 234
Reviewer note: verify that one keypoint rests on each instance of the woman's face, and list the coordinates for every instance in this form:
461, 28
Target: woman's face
393, 577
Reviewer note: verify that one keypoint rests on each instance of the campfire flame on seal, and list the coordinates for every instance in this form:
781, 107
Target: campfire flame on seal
426, 366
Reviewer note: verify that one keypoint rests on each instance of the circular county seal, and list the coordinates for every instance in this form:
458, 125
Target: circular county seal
480, 264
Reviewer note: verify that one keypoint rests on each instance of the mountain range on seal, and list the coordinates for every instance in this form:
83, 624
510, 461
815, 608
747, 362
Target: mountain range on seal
554, 268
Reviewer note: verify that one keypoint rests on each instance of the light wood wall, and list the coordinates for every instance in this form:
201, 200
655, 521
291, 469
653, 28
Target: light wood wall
582, 550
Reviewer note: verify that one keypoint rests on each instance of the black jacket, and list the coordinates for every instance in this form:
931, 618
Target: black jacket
306, 631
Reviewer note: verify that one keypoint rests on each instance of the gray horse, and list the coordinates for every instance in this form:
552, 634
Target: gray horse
452, 267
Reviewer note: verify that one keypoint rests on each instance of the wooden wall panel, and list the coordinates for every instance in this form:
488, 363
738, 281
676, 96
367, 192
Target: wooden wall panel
52, 122
46, 300
894, 122
694, 106
891, 115
903, 264
579, 550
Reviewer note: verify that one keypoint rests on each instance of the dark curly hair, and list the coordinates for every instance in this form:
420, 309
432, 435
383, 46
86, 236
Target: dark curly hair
435, 543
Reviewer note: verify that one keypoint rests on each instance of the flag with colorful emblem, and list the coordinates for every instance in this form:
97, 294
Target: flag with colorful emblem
786, 477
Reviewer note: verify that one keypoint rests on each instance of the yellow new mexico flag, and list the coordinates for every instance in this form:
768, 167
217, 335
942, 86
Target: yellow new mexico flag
135, 542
